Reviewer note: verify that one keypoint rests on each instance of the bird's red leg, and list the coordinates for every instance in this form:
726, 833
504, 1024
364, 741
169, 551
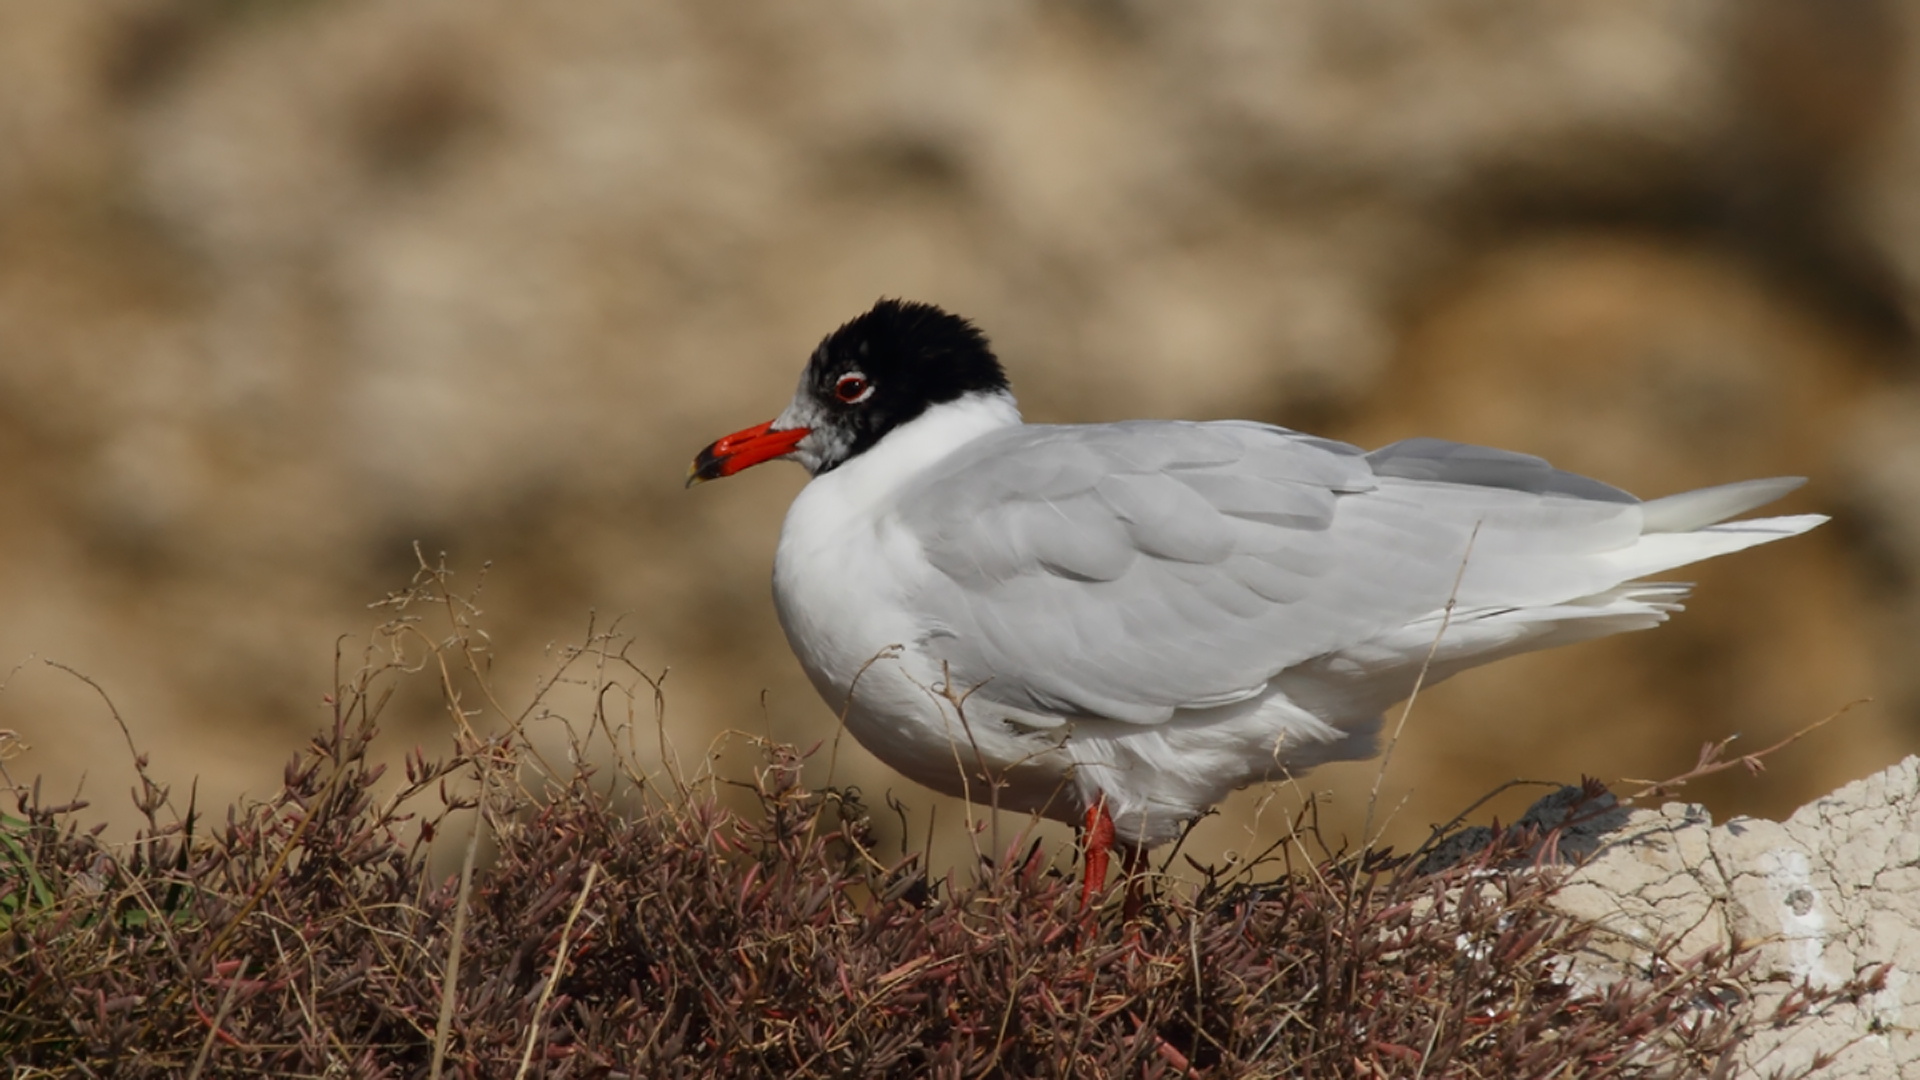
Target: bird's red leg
1099, 843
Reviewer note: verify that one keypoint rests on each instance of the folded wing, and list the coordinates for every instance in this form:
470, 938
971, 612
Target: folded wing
1127, 571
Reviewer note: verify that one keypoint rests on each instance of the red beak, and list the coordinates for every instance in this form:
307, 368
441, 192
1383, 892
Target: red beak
743, 449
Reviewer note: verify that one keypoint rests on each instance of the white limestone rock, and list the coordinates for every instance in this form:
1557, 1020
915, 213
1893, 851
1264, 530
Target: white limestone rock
1825, 898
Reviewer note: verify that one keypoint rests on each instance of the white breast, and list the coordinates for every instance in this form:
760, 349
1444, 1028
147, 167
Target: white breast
843, 579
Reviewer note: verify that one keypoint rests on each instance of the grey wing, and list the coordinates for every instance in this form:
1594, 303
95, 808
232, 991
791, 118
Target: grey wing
1126, 571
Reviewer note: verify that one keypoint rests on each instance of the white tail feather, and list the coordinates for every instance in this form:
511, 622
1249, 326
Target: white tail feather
1659, 552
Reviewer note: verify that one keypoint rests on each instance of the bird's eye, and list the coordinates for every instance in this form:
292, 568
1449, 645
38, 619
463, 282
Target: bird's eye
853, 388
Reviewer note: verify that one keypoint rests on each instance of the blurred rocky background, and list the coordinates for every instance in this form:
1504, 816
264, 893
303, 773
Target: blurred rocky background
289, 285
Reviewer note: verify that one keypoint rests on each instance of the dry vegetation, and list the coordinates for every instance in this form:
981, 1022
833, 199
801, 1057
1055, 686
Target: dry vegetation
636, 923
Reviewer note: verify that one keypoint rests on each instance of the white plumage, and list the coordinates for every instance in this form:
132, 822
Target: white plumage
1141, 617
1161, 612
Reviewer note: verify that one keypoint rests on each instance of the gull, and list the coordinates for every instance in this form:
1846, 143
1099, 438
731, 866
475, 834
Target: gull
1116, 625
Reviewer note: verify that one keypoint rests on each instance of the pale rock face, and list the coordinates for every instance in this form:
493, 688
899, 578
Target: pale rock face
1825, 896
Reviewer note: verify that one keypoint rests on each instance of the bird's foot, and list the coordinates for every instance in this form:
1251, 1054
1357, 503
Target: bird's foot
1099, 839
1133, 860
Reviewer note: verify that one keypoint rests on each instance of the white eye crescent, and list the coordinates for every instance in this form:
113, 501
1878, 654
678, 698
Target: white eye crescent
853, 388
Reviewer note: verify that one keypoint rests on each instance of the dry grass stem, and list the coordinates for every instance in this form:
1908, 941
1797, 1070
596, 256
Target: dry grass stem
1419, 681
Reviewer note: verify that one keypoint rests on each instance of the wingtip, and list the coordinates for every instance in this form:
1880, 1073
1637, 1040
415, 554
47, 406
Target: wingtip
1693, 510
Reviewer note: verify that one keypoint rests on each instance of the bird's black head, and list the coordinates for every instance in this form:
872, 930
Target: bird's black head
884, 368
881, 370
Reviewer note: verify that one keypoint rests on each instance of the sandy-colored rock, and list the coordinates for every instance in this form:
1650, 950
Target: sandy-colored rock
1825, 898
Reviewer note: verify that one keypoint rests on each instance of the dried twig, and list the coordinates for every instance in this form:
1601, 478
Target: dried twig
553, 976
450, 977
1419, 680
1712, 759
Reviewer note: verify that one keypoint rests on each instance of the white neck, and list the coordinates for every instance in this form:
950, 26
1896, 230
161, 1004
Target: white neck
913, 446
